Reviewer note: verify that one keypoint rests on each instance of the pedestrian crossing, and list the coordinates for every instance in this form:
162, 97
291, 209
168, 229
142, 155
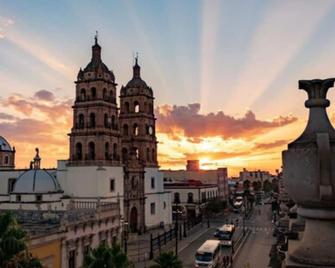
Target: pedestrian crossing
256, 229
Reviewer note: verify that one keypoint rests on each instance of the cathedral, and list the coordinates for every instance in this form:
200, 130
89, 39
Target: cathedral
112, 154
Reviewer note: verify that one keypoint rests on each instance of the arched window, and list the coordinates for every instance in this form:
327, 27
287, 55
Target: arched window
107, 155
176, 198
146, 129
6, 160
151, 108
91, 151
136, 107
92, 120
124, 154
137, 153
148, 154
81, 121
135, 130
153, 155
106, 121
93, 92
190, 198
126, 107
79, 151
113, 122
83, 94
125, 129
104, 93
115, 151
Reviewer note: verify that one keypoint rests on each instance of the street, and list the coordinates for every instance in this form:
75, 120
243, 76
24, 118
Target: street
255, 250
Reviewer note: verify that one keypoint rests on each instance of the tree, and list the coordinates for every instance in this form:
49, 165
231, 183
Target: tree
167, 260
257, 185
246, 185
267, 186
215, 205
13, 245
106, 256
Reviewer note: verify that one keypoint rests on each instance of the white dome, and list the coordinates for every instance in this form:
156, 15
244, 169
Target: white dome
36, 181
4, 145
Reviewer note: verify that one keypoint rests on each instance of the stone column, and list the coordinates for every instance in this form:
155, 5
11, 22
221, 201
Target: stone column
309, 177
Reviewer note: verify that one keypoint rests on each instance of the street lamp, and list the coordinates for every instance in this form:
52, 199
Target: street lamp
177, 212
124, 225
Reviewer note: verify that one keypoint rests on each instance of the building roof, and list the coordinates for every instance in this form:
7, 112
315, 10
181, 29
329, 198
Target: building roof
4, 145
36, 181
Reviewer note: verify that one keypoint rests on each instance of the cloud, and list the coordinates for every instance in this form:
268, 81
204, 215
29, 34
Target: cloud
5, 23
214, 155
271, 145
195, 125
44, 95
6, 116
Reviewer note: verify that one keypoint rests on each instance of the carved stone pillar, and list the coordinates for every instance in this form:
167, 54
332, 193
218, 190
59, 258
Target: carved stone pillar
309, 176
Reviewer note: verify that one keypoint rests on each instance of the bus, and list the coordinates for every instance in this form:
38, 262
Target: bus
208, 255
225, 234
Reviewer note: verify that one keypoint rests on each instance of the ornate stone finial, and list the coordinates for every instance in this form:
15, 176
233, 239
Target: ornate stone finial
37, 160
136, 68
317, 91
96, 38
318, 121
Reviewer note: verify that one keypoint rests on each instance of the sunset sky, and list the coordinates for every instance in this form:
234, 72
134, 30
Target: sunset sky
224, 73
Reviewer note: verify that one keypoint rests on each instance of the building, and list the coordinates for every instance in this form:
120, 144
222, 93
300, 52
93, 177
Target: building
217, 177
256, 175
191, 196
112, 172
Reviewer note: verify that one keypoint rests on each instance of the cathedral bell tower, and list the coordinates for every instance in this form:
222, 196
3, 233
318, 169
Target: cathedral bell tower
137, 120
95, 137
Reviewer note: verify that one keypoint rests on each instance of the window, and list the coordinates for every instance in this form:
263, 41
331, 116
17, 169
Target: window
115, 154
176, 198
124, 154
91, 151
133, 182
126, 107
86, 249
104, 93
18, 198
137, 153
107, 154
136, 107
190, 198
39, 198
93, 92
164, 205
125, 129
72, 259
83, 94
11, 183
113, 122
6, 160
153, 155
81, 121
148, 154
136, 129
153, 208
150, 131
79, 151
92, 120
152, 183
106, 121
112, 185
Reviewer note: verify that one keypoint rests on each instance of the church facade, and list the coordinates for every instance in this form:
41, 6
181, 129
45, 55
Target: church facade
112, 154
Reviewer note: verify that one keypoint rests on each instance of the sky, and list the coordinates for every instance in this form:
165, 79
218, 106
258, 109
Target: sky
224, 73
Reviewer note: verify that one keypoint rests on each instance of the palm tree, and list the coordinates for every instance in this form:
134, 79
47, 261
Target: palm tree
167, 260
106, 256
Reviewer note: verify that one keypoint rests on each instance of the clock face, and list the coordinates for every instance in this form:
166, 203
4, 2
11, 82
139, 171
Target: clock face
151, 131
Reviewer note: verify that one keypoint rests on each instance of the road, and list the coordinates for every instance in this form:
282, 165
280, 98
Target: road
187, 254
255, 252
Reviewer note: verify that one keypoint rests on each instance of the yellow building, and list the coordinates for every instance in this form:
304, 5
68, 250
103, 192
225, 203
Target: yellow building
47, 248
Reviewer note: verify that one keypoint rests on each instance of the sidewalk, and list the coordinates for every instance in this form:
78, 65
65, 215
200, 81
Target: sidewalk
193, 235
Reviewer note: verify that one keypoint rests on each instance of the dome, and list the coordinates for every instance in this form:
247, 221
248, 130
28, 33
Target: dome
136, 82
4, 145
36, 181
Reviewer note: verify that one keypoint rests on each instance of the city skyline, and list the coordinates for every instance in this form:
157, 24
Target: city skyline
204, 107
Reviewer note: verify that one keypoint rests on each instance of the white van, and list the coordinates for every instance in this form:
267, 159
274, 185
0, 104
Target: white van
208, 255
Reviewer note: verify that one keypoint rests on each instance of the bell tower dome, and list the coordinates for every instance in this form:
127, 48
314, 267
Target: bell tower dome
95, 137
137, 120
